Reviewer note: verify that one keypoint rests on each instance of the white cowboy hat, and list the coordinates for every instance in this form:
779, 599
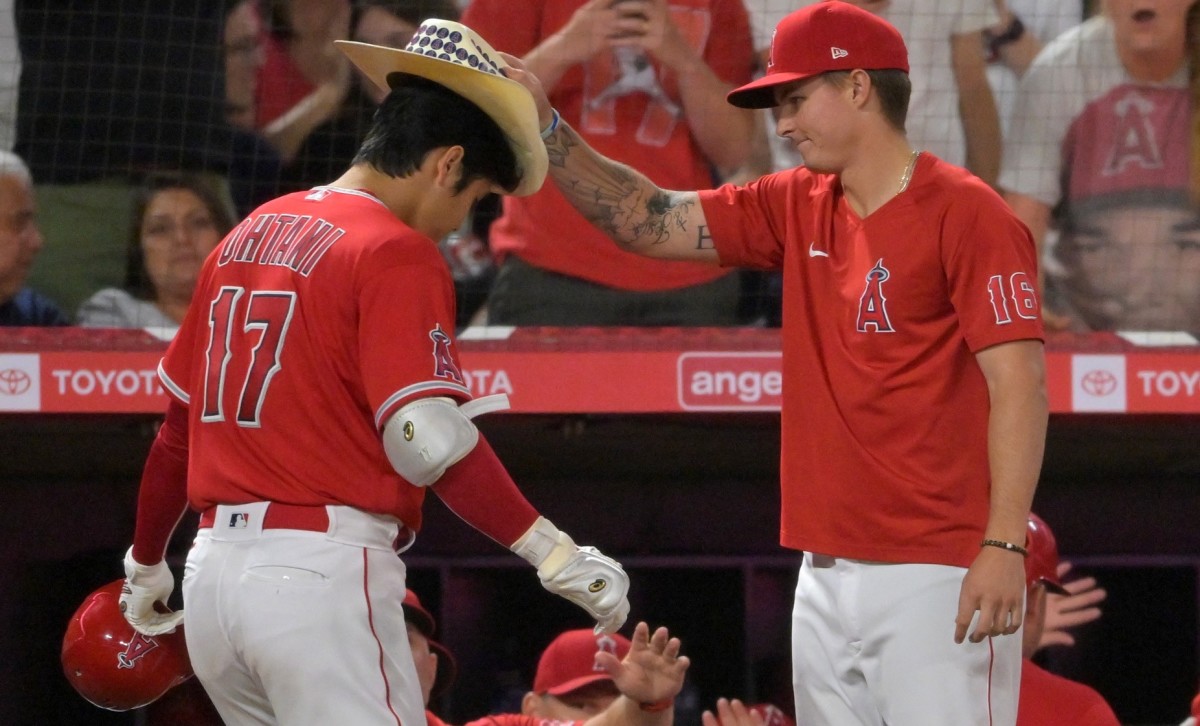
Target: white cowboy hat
454, 56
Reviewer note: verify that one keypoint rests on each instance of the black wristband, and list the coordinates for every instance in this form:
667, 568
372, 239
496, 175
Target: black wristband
996, 41
1005, 546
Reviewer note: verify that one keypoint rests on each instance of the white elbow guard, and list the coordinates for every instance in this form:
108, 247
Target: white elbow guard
429, 435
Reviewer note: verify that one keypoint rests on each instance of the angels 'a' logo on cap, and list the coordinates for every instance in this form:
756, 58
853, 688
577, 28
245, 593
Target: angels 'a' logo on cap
606, 645
837, 52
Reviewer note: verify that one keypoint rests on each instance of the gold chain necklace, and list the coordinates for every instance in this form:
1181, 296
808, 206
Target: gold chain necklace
908, 171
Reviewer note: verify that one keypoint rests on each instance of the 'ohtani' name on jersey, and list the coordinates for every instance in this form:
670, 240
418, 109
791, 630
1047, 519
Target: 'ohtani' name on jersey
289, 240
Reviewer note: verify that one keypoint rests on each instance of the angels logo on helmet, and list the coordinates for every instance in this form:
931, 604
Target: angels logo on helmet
113, 666
139, 645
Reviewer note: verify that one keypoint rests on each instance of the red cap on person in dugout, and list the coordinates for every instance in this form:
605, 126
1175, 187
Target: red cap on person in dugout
569, 662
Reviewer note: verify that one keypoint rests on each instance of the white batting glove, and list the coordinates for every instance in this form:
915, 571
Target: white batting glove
144, 586
583, 575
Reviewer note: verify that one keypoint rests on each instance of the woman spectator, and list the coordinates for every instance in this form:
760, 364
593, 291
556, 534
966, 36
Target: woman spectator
177, 222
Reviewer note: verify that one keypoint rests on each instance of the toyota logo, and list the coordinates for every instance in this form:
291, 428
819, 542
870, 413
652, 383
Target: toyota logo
14, 382
1098, 383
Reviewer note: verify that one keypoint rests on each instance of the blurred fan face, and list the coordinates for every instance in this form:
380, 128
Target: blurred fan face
244, 56
379, 27
20, 239
1149, 25
178, 232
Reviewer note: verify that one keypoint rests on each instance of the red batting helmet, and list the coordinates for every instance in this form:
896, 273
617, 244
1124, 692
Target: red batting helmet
112, 665
1041, 565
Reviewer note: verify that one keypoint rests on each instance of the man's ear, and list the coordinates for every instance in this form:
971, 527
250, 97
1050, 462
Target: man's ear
860, 86
448, 168
529, 703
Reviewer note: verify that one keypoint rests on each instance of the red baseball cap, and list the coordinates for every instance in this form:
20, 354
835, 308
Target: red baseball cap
422, 620
772, 715
826, 36
569, 662
1042, 563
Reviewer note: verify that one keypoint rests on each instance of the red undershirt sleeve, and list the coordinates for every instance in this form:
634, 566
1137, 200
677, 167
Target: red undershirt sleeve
480, 491
162, 496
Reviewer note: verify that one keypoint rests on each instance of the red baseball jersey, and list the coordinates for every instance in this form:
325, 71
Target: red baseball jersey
643, 126
506, 719
1051, 700
885, 409
314, 320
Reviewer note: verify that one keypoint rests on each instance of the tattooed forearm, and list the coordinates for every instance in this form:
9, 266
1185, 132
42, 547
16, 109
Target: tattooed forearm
615, 198
665, 213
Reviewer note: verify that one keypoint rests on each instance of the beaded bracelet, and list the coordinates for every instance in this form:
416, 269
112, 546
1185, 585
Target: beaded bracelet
1005, 546
546, 132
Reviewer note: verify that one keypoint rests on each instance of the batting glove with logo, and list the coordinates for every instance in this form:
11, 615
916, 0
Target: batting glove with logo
144, 586
584, 575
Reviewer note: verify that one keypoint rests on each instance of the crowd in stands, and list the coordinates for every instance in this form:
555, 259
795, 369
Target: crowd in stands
1079, 116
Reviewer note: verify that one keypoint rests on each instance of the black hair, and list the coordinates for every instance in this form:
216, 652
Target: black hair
893, 87
419, 116
137, 278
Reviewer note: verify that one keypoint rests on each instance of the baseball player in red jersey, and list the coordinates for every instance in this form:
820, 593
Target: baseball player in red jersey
914, 404
317, 395
1048, 699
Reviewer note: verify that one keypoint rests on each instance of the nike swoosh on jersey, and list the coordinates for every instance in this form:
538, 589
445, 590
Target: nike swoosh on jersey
814, 252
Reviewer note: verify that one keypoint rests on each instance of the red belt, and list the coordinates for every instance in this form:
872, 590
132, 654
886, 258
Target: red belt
279, 516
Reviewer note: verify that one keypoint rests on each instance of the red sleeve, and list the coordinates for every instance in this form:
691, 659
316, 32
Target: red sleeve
745, 223
991, 268
479, 490
511, 27
162, 497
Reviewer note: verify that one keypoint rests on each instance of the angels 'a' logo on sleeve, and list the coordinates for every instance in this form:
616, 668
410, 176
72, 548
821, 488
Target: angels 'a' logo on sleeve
872, 305
443, 362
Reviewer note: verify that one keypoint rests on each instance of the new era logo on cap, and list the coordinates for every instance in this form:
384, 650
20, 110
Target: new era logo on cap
837, 52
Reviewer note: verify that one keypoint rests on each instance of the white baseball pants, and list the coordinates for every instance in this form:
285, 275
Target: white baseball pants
301, 628
873, 644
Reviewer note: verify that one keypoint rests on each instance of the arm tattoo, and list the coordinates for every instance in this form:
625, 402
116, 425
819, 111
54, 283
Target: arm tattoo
615, 198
